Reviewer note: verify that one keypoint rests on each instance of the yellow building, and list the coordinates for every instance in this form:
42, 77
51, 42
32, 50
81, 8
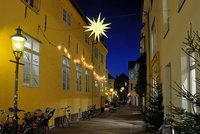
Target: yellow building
166, 23
62, 66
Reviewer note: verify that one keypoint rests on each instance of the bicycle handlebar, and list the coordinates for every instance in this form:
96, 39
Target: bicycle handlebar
18, 110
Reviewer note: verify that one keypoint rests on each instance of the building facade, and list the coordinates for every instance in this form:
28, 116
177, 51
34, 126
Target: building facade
166, 24
62, 66
133, 76
111, 81
121, 86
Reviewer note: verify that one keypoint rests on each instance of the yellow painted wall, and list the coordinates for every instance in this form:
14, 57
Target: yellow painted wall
170, 46
49, 93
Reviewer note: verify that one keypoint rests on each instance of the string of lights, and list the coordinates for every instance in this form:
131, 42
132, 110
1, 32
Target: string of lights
80, 27
75, 60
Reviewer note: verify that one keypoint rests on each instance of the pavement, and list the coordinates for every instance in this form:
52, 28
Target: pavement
126, 120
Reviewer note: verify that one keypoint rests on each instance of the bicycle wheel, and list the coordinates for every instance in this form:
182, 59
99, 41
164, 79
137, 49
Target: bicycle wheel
1, 129
9, 130
65, 122
33, 130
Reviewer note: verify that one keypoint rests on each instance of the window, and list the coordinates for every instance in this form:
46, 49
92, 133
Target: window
180, 4
101, 87
31, 63
77, 48
96, 85
96, 53
151, 2
165, 17
78, 77
131, 86
65, 73
188, 78
102, 58
32, 4
131, 74
87, 79
66, 17
192, 77
69, 41
142, 45
87, 39
153, 39
83, 52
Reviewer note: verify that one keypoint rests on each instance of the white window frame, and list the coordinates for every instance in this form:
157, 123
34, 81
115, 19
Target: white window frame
87, 80
65, 73
192, 78
180, 4
78, 77
33, 4
66, 17
165, 17
188, 79
31, 58
96, 85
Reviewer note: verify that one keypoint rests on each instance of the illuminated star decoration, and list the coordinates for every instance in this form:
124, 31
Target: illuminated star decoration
97, 27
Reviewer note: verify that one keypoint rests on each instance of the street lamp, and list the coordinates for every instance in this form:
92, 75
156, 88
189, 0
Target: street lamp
111, 93
18, 41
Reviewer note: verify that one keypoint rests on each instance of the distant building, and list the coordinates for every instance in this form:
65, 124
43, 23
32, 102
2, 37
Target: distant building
121, 86
133, 67
111, 81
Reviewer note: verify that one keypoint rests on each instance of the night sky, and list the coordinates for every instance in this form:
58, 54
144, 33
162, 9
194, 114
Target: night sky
124, 35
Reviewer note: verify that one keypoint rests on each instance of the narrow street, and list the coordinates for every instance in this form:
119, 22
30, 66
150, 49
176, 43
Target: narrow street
127, 120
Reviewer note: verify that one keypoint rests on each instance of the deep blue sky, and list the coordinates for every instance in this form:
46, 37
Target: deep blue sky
124, 35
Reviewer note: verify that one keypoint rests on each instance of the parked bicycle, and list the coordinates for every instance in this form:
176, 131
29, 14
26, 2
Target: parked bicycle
66, 120
33, 123
167, 127
90, 113
6, 127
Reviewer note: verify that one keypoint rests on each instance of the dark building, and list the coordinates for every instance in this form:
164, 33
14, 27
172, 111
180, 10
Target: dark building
121, 82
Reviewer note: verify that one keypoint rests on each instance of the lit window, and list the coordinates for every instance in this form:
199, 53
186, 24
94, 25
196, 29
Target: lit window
87, 79
31, 63
78, 76
32, 4
65, 73
165, 17
66, 17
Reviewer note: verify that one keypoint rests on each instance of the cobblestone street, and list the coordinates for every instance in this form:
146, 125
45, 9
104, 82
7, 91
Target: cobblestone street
127, 120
